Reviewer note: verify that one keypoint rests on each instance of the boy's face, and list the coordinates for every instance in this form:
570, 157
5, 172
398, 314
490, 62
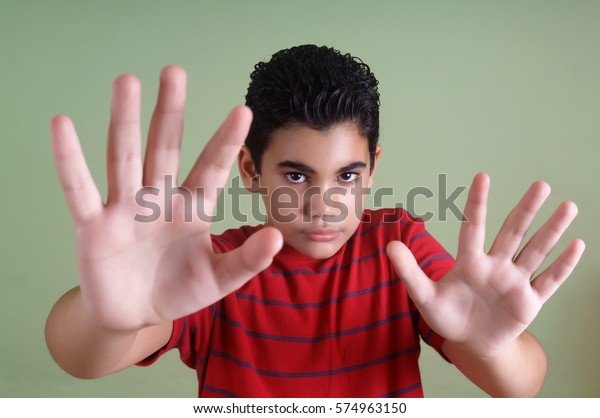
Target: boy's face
313, 184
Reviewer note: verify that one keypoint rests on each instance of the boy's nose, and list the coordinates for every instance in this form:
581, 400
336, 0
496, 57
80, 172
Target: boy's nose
320, 202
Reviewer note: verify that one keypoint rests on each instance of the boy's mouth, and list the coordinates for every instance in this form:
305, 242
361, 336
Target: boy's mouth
321, 235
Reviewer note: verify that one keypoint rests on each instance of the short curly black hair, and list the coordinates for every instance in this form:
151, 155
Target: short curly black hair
311, 86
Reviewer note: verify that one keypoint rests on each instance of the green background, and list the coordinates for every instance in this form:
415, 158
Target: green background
507, 87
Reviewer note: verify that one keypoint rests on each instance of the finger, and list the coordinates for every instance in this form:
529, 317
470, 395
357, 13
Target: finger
212, 168
256, 254
124, 164
82, 196
519, 220
420, 288
166, 129
543, 241
550, 279
472, 230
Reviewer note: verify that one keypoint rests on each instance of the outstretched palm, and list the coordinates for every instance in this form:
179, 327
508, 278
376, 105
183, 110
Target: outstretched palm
133, 274
487, 299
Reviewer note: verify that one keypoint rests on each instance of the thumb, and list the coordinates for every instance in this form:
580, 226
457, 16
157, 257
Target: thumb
420, 288
252, 257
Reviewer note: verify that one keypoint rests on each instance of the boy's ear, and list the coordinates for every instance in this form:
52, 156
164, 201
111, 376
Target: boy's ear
375, 160
247, 170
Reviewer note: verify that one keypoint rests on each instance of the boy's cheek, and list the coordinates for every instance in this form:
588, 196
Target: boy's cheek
282, 214
283, 205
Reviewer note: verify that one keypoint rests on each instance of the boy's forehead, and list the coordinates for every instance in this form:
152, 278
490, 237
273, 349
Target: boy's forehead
338, 143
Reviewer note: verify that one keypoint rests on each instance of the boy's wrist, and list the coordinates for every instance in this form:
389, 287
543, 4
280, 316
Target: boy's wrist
482, 351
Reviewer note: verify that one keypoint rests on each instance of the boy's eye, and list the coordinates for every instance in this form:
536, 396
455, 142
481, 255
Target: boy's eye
348, 177
296, 177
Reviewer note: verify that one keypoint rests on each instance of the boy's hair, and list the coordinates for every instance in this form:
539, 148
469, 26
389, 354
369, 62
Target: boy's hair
315, 87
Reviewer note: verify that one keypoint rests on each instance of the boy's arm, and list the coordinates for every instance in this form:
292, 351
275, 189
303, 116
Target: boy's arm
139, 271
86, 350
484, 304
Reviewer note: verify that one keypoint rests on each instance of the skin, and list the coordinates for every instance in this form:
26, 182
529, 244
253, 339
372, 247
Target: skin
136, 278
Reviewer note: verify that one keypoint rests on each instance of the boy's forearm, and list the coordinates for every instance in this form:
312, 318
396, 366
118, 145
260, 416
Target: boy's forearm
87, 351
519, 371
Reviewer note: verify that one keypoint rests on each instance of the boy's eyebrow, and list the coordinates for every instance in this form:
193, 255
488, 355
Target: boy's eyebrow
306, 169
352, 166
296, 166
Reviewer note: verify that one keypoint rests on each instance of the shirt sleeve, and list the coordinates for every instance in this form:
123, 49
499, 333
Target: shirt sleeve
176, 336
190, 337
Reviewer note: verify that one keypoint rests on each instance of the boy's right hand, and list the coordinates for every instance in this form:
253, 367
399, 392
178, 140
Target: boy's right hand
134, 274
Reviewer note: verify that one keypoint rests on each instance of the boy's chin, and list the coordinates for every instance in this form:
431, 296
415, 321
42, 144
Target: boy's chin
319, 250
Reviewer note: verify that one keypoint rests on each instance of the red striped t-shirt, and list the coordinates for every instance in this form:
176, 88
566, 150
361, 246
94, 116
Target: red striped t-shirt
339, 327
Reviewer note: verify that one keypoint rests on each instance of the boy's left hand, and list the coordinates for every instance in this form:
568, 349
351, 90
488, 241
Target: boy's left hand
488, 299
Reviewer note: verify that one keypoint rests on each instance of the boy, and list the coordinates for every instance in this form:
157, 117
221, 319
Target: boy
325, 299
